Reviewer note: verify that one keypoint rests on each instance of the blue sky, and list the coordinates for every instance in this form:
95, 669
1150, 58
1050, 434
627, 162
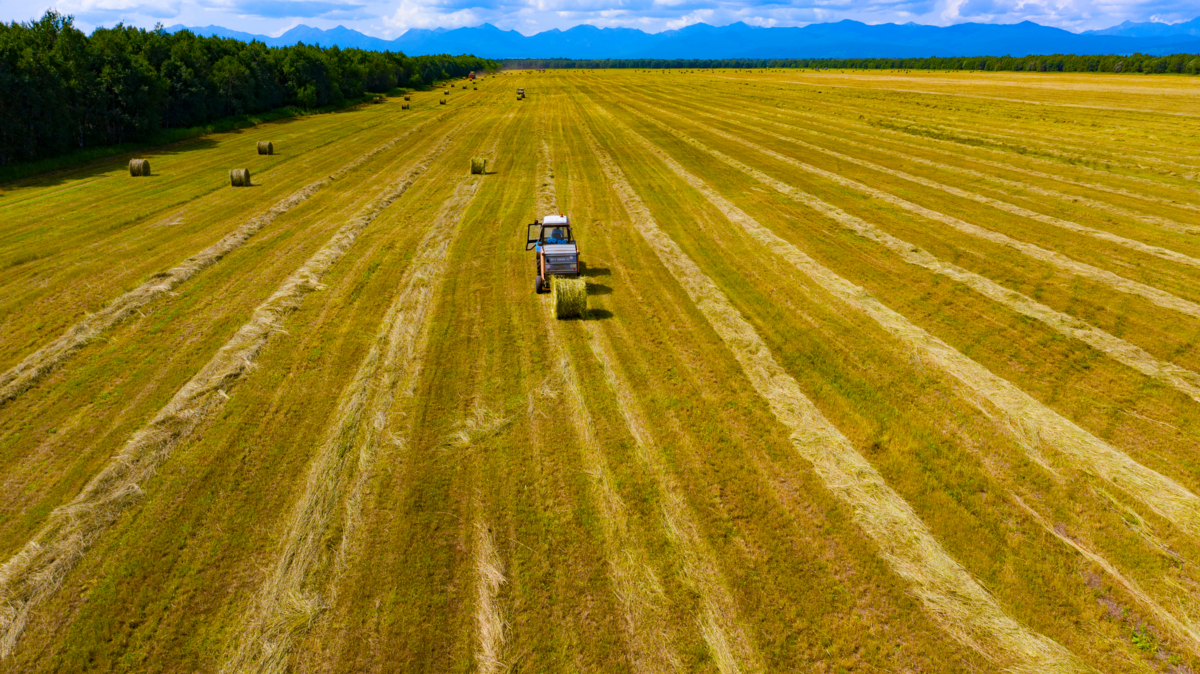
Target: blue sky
390, 18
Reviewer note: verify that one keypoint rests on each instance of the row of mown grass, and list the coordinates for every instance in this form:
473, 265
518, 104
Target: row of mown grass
760, 273
74, 241
166, 592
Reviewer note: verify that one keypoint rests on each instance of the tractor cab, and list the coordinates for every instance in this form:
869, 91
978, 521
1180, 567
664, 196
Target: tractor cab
557, 252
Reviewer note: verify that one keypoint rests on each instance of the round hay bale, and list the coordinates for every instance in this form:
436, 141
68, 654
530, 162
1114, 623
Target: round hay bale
446, 92
443, 101
404, 106
239, 177
570, 297
478, 166
408, 98
139, 167
266, 147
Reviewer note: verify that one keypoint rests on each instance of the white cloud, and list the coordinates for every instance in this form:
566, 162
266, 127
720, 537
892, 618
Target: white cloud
388, 18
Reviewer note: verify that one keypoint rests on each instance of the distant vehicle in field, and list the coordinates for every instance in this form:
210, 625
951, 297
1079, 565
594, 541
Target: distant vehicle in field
557, 254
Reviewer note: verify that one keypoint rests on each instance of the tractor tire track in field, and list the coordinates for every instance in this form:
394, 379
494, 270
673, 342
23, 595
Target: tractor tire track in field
1163, 495
637, 587
38, 364
293, 588
1184, 632
728, 642
1154, 295
35, 573
962, 607
1179, 378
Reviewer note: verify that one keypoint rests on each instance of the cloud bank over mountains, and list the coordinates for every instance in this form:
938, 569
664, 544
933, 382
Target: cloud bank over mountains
389, 19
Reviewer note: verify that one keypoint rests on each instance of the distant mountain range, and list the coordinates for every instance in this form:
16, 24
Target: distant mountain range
844, 39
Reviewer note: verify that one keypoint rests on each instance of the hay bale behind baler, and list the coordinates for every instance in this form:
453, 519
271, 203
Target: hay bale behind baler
569, 296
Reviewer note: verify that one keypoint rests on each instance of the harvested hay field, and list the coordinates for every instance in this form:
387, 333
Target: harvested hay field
884, 371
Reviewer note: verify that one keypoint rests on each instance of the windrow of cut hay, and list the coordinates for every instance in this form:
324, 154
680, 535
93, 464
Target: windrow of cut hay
962, 607
38, 364
1164, 496
1179, 378
1020, 187
1051, 257
569, 296
392, 363
635, 584
955, 150
1019, 211
722, 628
36, 571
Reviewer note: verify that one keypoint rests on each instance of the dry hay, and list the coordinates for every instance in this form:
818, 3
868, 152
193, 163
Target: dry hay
404, 106
408, 98
1052, 257
965, 609
446, 92
35, 573
139, 167
442, 102
1184, 380
331, 502
478, 166
21, 377
984, 389
570, 297
266, 147
239, 177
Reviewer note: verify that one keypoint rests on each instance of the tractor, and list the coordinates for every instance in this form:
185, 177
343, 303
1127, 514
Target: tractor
557, 252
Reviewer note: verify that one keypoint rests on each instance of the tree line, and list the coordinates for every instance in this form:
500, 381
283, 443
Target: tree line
62, 90
1188, 64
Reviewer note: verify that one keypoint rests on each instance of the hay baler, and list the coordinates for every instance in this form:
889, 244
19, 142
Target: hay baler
557, 254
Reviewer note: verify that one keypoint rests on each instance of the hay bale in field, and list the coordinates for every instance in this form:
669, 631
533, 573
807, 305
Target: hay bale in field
446, 92
239, 177
408, 98
478, 166
266, 147
404, 106
443, 101
139, 167
570, 297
